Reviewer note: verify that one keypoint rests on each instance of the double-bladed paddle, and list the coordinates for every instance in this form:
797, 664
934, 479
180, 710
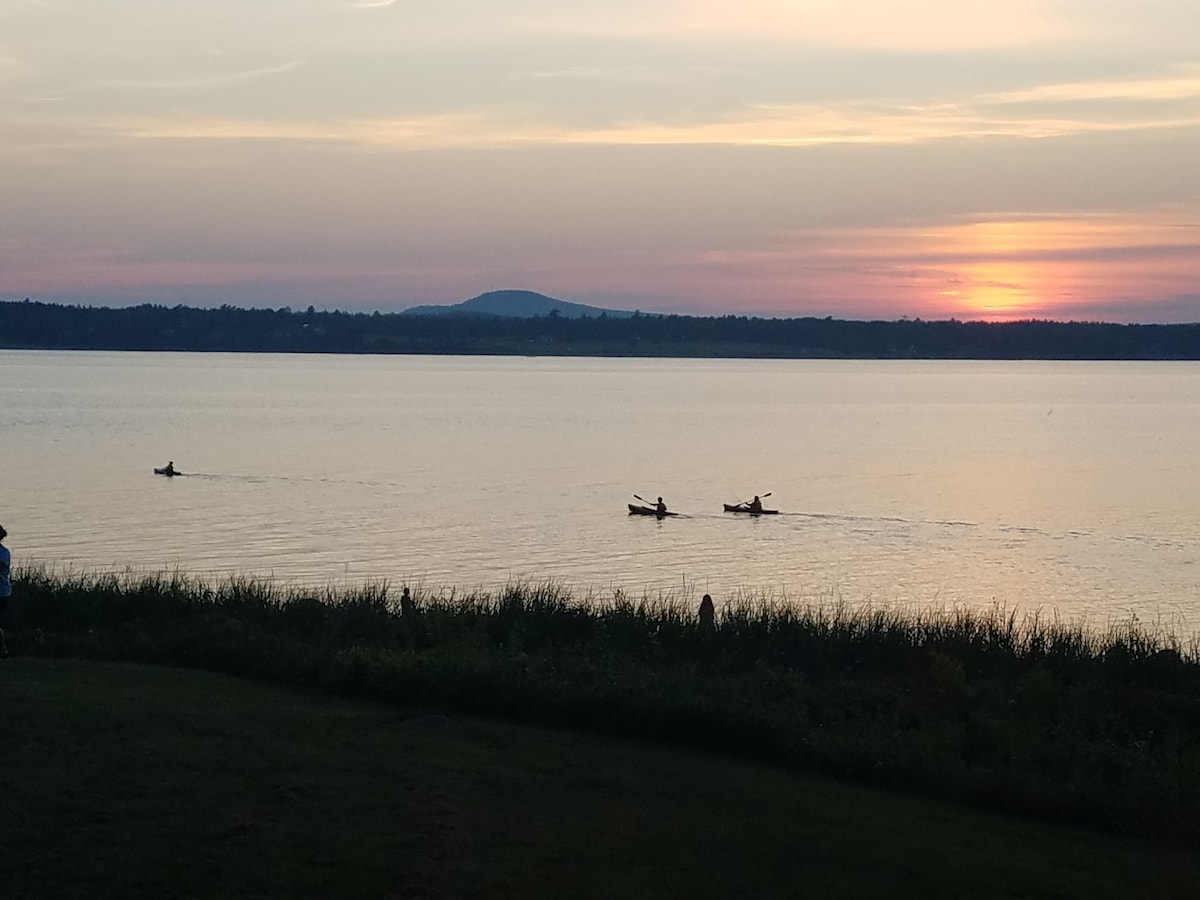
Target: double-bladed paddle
748, 502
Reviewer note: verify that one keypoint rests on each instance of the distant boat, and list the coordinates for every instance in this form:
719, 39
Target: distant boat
635, 510
743, 508
166, 470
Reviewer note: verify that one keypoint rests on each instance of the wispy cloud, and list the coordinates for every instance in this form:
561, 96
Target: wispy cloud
11, 67
1180, 83
570, 72
782, 125
211, 81
913, 25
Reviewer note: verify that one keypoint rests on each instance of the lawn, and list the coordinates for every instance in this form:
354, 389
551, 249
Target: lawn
131, 781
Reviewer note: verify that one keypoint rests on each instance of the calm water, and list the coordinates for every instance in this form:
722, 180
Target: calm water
1066, 487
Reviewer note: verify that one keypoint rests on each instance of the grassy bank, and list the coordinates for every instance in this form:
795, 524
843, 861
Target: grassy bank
1049, 721
122, 781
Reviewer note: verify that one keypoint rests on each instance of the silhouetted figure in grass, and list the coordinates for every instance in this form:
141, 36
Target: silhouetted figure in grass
708, 615
406, 603
5, 585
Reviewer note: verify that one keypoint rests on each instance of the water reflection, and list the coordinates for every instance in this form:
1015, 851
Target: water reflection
1038, 485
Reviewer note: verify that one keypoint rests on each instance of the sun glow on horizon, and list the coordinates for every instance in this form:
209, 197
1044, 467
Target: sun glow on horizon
997, 292
999, 285
1046, 267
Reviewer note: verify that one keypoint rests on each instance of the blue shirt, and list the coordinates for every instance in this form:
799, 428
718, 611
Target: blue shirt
5, 564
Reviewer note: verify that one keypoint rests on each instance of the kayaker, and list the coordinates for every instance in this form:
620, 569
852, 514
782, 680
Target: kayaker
660, 507
169, 468
755, 505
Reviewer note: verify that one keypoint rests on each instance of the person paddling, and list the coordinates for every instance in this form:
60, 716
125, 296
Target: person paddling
755, 505
660, 507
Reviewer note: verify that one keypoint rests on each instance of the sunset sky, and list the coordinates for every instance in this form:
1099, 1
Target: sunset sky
852, 158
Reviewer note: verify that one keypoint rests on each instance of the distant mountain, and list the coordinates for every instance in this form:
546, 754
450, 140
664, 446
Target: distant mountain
517, 305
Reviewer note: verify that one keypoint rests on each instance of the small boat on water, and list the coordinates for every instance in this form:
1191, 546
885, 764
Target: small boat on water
166, 470
743, 508
635, 510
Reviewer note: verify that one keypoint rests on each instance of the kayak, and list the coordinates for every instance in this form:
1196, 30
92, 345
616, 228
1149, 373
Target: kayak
635, 510
168, 472
740, 508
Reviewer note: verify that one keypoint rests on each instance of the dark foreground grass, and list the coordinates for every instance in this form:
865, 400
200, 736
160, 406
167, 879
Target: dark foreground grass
124, 781
1049, 721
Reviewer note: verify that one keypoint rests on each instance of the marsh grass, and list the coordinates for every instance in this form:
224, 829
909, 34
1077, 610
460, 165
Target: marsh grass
1049, 719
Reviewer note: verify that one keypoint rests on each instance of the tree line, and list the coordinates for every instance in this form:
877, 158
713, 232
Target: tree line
35, 325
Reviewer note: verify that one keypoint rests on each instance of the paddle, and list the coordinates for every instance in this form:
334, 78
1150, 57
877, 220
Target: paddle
644, 500
760, 497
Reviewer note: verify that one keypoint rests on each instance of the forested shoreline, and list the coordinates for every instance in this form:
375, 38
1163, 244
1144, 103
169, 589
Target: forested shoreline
34, 325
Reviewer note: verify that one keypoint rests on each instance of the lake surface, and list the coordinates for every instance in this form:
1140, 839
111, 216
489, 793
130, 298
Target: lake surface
1069, 488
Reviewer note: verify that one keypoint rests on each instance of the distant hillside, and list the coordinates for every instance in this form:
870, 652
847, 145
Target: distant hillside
518, 305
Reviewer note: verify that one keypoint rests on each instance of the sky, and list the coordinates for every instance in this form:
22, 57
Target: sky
861, 159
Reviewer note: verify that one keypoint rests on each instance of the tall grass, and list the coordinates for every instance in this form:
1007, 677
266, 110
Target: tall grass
1041, 717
